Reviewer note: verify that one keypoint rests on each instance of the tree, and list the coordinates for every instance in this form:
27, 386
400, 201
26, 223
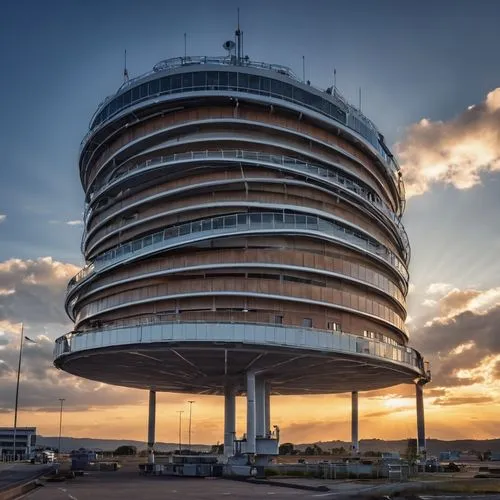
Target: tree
217, 449
126, 450
286, 449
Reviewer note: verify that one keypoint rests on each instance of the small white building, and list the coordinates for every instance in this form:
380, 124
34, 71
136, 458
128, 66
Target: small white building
25, 442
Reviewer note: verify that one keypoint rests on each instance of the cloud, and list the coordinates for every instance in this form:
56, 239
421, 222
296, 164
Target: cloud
42, 384
458, 301
429, 303
74, 222
463, 347
452, 152
39, 287
438, 288
2, 217
473, 400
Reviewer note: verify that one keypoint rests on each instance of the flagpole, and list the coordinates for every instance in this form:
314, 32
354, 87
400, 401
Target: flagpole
17, 389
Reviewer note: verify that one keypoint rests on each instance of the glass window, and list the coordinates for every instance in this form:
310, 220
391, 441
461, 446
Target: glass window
230, 221
143, 89
267, 218
242, 218
233, 80
242, 81
165, 84
199, 80
135, 94
206, 225
265, 84
127, 98
298, 94
287, 90
278, 320
307, 322
255, 218
276, 87
223, 79
184, 229
176, 83
212, 79
218, 222
154, 87
187, 80
112, 107
254, 82
119, 102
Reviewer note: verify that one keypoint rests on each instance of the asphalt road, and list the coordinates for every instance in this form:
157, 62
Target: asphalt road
129, 485
11, 474
110, 486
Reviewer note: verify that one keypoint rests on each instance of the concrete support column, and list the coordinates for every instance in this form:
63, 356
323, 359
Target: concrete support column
229, 420
250, 448
260, 407
354, 423
151, 427
268, 408
420, 419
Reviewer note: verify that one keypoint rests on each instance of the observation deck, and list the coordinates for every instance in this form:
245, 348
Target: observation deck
238, 218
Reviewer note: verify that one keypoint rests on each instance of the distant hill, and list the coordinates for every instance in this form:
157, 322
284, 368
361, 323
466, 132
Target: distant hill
69, 443
434, 446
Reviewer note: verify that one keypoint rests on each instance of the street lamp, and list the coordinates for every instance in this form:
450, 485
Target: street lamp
60, 427
180, 412
23, 338
190, 409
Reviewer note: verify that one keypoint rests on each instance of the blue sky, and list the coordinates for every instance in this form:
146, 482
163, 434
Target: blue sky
413, 60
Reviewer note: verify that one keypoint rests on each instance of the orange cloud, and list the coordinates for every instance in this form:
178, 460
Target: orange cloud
452, 152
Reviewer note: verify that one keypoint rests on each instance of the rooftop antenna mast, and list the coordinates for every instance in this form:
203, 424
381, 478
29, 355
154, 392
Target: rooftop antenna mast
238, 41
334, 81
303, 69
185, 46
125, 70
359, 107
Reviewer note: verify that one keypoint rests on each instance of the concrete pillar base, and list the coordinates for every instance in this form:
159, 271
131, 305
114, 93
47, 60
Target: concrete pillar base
151, 427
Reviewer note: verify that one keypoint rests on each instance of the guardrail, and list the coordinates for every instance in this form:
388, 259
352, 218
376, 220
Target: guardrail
156, 330
286, 161
238, 223
353, 117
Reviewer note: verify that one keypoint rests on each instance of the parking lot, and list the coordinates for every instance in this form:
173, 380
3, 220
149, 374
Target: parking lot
125, 485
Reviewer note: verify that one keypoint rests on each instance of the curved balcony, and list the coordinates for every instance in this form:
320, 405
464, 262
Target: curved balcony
391, 292
330, 104
237, 224
331, 143
334, 176
155, 330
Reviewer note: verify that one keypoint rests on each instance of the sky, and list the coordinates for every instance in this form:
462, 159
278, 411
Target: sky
430, 80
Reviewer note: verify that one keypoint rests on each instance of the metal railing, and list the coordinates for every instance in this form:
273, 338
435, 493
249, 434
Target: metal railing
334, 176
140, 331
229, 224
355, 119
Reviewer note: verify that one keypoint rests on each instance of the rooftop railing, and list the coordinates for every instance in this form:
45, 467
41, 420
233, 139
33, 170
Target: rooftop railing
353, 117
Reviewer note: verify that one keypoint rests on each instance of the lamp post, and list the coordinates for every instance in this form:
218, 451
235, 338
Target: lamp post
190, 410
60, 427
23, 338
180, 412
